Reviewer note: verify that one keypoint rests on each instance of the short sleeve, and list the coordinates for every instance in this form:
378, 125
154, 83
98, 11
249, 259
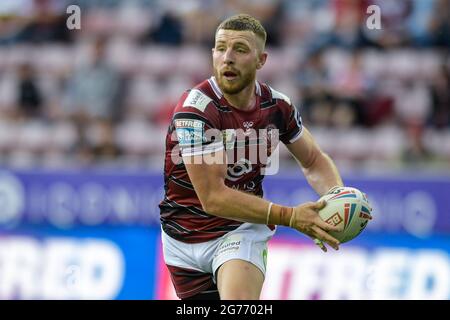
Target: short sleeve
195, 124
294, 126
293, 129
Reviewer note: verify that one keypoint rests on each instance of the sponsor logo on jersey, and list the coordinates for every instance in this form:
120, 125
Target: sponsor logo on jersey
247, 124
240, 168
197, 99
188, 123
189, 132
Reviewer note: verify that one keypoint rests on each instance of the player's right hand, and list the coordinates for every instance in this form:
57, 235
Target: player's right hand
305, 218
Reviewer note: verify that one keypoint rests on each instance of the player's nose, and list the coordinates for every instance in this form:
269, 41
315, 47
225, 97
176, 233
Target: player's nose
228, 57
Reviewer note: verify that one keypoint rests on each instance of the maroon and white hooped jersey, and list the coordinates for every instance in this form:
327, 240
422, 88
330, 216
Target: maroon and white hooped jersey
201, 114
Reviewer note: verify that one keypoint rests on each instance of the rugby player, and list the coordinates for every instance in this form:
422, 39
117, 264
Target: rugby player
215, 222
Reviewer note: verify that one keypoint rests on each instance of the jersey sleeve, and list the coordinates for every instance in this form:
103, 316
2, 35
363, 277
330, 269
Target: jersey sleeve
293, 127
196, 125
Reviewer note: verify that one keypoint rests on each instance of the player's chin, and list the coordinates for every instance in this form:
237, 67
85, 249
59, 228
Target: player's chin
231, 87
231, 90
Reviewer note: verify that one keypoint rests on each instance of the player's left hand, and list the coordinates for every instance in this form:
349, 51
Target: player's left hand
305, 218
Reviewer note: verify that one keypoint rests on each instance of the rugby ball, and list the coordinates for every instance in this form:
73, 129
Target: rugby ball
347, 207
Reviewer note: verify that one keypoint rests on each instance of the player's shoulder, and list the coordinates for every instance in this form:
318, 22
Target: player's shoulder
275, 96
200, 99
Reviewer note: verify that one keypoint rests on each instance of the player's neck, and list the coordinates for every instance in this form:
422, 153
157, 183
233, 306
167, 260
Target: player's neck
244, 100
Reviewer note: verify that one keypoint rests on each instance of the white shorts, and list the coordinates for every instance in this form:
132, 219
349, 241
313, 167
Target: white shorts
200, 261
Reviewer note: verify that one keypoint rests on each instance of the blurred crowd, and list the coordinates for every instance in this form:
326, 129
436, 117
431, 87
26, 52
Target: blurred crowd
103, 95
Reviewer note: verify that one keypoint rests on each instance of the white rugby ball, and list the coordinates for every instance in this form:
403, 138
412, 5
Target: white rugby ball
347, 207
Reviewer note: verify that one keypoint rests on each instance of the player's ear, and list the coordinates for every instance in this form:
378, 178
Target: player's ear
262, 58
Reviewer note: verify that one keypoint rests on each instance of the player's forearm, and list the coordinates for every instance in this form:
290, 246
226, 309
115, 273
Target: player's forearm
232, 204
322, 174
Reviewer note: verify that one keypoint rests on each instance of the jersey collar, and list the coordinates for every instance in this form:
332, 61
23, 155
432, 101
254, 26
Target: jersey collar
215, 87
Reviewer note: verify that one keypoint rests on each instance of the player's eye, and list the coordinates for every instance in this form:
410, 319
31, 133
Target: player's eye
220, 48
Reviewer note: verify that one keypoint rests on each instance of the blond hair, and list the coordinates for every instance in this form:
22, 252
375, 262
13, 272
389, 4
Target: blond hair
244, 22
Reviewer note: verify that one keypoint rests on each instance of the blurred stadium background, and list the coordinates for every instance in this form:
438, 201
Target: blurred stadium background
83, 117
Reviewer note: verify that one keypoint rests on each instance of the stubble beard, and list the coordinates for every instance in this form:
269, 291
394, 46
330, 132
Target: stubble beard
237, 86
